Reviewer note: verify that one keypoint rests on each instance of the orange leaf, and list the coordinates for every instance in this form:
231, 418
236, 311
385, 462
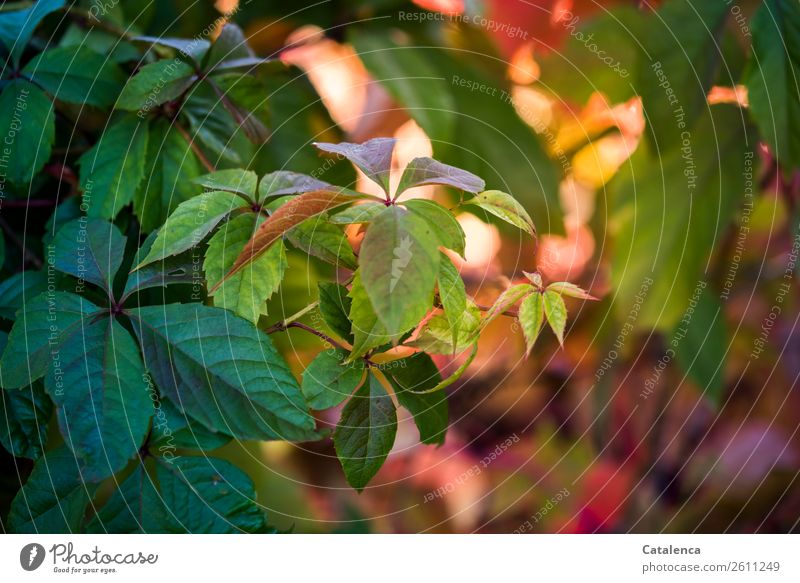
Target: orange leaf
292, 213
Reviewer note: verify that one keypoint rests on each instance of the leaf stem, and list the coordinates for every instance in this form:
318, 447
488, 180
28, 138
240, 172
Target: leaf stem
28, 255
195, 148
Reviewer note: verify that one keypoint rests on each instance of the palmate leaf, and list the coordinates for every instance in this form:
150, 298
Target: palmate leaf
505, 207
365, 433
170, 167
773, 79
47, 322
54, 498
89, 249
246, 292
422, 171
103, 408
414, 375
113, 168
180, 268
373, 157
399, 262
328, 380
28, 125
223, 371
191, 222
76, 74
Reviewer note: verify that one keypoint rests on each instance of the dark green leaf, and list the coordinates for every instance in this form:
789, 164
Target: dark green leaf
416, 374
155, 84
318, 237
334, 305
773, 78
328, 380
103, 407
54, 499
175, 430
48, 321
170, 167
223, 371
282, 182
193, 49
134, 507
77, 74
230, 45
244, 96
243, 182
175, 269
20, 289
113, 169
16, 28
365, 433
28, 125
89, 249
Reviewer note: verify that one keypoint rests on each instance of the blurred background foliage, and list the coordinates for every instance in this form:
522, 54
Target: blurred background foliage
606, 434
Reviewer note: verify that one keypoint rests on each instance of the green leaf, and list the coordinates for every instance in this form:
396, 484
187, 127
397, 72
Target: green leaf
666, 228
103, 408
20, 289
243, 182
208, 495
365, 433
571, 290
193, 49
175, 430
134, 507
416, 374
507, 299
531, 317
244, 97
367, 329
282, 182
683, 54
373, 157
113, 169
441, 221
222, 371
334, 305
438, 336
24, 417
89, 249
773, 79
452, 294
556, 311
28, 125
247, 291
54, 499
171, 166
399, 263
155, 84
16, 28
422, 171
229, 45
700, 342
328, 380
358, 213
504, 207
317, 237
190, 222
180, 268
48, 321
76, 74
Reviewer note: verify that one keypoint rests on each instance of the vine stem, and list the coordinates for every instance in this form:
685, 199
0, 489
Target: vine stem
195, 148
27, 253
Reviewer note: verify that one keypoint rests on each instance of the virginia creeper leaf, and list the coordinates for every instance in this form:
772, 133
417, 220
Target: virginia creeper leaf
28, 125
531, 317
504, 207
421, 171
328, 381
89, 249
556, 311
373, 157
